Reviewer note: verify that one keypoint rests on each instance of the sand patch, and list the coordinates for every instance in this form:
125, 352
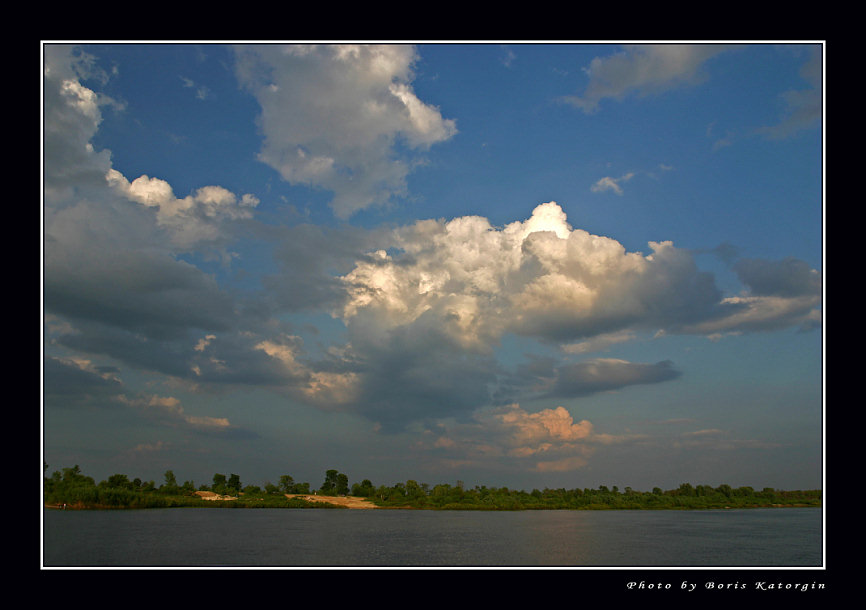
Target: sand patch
209, 495
346, 501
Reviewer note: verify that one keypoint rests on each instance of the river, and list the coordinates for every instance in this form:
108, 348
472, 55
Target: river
226, 537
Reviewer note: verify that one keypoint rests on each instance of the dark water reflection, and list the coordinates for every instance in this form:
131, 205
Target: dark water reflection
306, 537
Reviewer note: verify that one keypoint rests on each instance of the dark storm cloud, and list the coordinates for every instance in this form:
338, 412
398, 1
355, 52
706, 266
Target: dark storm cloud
154, 295
68, 384
129, 347
143, 308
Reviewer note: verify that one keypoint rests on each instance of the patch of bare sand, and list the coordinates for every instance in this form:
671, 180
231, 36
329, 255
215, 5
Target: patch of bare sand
347, 501
209, 495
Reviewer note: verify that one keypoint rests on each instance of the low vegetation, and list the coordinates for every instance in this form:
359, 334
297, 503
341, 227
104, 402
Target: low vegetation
70, 488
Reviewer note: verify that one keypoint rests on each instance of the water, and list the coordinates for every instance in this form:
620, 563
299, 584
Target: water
210, 537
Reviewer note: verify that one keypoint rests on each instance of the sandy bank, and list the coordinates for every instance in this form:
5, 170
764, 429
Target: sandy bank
209, 495
346, 501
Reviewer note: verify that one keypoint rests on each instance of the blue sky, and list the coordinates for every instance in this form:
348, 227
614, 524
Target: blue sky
522, 265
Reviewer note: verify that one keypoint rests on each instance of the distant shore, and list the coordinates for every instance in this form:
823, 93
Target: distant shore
350, 502
74, 490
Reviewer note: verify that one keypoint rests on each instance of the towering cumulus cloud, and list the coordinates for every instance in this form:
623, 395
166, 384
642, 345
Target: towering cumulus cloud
470, 283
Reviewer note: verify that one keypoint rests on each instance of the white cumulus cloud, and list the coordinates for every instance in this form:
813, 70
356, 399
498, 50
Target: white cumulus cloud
333, 115
193, 219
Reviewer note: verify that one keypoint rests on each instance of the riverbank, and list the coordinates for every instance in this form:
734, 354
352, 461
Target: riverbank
350, 502
79, 491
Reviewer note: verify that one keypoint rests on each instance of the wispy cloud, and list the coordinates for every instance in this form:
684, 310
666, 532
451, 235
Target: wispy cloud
800, 109
803, 108
611, 184
201, 91
643, 70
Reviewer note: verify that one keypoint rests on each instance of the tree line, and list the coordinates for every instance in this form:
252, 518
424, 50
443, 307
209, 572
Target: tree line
69, 487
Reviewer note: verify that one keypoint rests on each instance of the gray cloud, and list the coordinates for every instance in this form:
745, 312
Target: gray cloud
643, 70
546, 377
75, 383
606, 374
147, 293
786, 278
311, 260
69, 384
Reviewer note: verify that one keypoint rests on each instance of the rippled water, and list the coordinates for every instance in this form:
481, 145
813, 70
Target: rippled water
206, 537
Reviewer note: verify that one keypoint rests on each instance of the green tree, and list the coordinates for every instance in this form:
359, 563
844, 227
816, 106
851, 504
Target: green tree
342, 484
219, 483
704, 490
330, 482
73, 476
334, 483
234, 483
686, 489
118, 481
363, 489
287, 484
413, 489
170, 486
725, 490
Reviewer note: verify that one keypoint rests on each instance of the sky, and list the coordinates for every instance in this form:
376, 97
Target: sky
530, 265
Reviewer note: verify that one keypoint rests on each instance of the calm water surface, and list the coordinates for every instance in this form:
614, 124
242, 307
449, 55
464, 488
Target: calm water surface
207, 537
